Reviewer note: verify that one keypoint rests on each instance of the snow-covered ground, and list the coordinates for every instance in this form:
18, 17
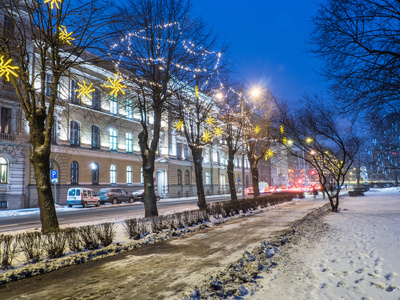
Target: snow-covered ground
357, 258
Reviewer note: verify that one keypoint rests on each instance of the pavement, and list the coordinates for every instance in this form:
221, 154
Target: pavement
166, 269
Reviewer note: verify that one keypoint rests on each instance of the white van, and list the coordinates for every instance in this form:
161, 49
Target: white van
82, 196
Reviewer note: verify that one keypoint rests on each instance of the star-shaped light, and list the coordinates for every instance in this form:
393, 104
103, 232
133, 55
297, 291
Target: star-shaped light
257, 129
53, 2
64, 35
7, 69
284, 141
282, 129
206, 137
269, 154
115, 86
217, 131
196, 91
85, 90
210, 121
179, 125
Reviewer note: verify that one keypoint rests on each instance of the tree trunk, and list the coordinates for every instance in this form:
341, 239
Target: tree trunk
40, 159
231, 175
254, 177
198, 168
148, 157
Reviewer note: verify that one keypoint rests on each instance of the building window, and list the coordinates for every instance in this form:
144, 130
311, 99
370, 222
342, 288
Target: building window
3, 170
8, 26
113, 174
129, 142
113, 140
74, 95
129, 109
187, 177
96, 100
95, 137
141, 175
128, 174
74, 173
208, 178
49, 82
113, 105
95, 173
54, 132
5, 120
75, 129
179, 177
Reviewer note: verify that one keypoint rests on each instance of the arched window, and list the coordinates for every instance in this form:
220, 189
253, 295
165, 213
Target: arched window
95, 137
113, 174
74, 172
179, 177
129, 142
113, 139
3, 170
95, 173
128, 174
187, 177
75, 133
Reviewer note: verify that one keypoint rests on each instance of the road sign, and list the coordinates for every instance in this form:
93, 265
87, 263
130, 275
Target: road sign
239, 180
54, 180
54, 174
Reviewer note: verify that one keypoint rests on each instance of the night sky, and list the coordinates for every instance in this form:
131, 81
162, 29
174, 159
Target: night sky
268, 43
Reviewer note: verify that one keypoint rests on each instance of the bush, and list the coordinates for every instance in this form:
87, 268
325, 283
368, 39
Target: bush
8, 248
89, 237
106, 233
73, 239
131, 228
31, 245
54, 244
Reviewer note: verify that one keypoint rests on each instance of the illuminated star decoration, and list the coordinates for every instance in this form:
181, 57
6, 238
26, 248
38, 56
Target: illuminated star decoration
196, 91
7, 69
85, 90
269, 154
206, 136
52, 2
217, 131
282, 129
257, 129
179, 125
64, 35
115, 86
210, 121
284, 140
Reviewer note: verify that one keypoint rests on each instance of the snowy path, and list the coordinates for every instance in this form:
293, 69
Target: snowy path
162, 270
359, 257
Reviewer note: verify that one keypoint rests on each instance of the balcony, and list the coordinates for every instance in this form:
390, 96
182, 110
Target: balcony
7, 136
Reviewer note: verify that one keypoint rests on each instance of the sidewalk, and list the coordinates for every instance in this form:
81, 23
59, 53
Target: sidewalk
162, 270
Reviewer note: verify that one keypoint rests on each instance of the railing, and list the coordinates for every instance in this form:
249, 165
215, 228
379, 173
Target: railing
7, 136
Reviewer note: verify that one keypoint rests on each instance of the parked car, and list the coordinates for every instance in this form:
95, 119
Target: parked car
115, 195
139, 195
82, 196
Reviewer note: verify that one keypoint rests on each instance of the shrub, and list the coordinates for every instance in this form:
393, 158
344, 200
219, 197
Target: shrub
89, 237
8, 248
31, 245
131, 228
106, 233
54, 244
73, 239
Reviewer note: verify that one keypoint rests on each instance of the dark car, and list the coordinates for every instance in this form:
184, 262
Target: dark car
115, 195
139, 195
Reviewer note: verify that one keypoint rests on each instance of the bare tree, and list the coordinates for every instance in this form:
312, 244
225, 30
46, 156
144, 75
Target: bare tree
39, 38
315, 133
163, 48
358, 41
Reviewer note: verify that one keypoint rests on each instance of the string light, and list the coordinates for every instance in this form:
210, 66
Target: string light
53, 2
65, 36
115, 86
7, 69
85, 90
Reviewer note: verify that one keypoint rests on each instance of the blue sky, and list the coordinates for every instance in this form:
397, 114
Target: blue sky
268, 42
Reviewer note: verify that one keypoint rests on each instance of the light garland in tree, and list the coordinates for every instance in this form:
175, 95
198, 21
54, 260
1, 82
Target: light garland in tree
269, 154
65, 36
53, 2
210, 121
218, 131
282, 129
206, 137
257, 129
115, 86
179, 125
85, 90
6, 69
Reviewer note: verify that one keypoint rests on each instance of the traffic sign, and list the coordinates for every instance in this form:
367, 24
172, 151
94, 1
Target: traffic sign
54, 174
54, 180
